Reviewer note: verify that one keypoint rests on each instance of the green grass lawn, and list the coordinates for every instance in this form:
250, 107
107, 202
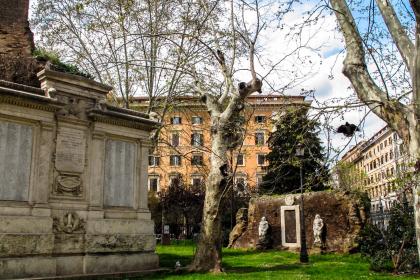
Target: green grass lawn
250, 264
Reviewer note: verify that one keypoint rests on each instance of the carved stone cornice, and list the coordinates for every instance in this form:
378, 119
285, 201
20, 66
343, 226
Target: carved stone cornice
122, 119
33, 104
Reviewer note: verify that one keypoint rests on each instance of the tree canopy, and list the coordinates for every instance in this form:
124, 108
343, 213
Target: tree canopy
294, 128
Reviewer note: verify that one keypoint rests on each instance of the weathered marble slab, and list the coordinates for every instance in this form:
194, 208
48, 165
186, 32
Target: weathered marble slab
119, 173
70, 150
15, 160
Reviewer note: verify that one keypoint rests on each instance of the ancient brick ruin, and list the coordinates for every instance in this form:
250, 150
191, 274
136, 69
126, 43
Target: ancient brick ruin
16, 44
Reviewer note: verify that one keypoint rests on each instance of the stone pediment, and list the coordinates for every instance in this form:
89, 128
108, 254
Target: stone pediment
72, 84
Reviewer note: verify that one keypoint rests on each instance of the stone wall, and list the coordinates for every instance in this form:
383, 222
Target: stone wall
343, 215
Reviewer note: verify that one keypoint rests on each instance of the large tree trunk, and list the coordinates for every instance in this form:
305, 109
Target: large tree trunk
414, 153
208, 256
414, 145
402, 118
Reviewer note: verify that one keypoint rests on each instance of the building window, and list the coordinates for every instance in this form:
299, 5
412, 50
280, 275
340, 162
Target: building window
401, 149
154, 160
176, 120
240, 184
259, 180
260, 119
175, 139
197, 139
240, 160
197, 181
175, 180
259, 138
391, 155
197, 160
153, 184
196, 120
175, 160
261, 159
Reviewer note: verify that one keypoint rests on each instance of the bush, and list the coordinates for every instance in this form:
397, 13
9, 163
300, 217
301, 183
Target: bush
394, 248
58, 65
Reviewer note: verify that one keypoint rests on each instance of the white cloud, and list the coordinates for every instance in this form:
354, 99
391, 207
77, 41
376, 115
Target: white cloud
321, 59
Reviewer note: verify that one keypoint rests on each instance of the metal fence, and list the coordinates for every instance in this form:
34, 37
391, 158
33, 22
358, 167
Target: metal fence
382, 217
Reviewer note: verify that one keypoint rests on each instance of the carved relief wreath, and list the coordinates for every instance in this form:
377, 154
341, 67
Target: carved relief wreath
70, 222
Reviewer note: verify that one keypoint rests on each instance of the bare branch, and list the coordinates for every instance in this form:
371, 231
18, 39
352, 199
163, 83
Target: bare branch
403, 42
355, 68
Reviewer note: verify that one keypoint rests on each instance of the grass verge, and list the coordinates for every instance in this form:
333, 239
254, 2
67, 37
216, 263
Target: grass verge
251, 264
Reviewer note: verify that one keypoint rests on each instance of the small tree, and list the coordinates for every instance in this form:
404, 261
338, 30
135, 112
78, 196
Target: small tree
393, 248
350, 177
294, 128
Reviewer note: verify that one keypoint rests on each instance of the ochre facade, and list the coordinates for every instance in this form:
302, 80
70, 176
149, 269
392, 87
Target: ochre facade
382, 159
183, 120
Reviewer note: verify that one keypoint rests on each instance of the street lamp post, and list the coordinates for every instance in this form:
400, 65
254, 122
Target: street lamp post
303, 250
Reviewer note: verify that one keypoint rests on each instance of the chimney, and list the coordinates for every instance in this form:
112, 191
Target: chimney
16, 44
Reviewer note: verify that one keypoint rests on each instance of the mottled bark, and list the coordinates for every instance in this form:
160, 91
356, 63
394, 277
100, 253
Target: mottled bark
208, 256
400, 117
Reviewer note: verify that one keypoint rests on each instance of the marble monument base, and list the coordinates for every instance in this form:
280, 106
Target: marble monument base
50, 266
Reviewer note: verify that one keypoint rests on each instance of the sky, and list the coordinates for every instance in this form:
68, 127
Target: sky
326, 77
323, 73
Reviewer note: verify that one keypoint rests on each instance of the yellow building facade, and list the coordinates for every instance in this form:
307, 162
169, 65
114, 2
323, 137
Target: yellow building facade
184, 148
382, 158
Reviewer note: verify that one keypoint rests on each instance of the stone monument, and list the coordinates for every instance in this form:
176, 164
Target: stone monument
73, 181
73, 169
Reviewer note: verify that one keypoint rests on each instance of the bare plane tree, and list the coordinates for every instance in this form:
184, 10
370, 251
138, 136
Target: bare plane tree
119, 42
231, 43
403, 117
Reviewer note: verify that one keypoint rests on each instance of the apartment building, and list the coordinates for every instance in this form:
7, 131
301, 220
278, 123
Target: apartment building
184, 148
382, 158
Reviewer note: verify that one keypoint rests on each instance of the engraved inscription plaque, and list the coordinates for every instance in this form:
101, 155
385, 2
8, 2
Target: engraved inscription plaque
15, 160
70, 150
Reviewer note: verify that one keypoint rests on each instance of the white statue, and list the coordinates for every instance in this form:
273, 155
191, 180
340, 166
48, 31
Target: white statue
263, 227
317, 228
